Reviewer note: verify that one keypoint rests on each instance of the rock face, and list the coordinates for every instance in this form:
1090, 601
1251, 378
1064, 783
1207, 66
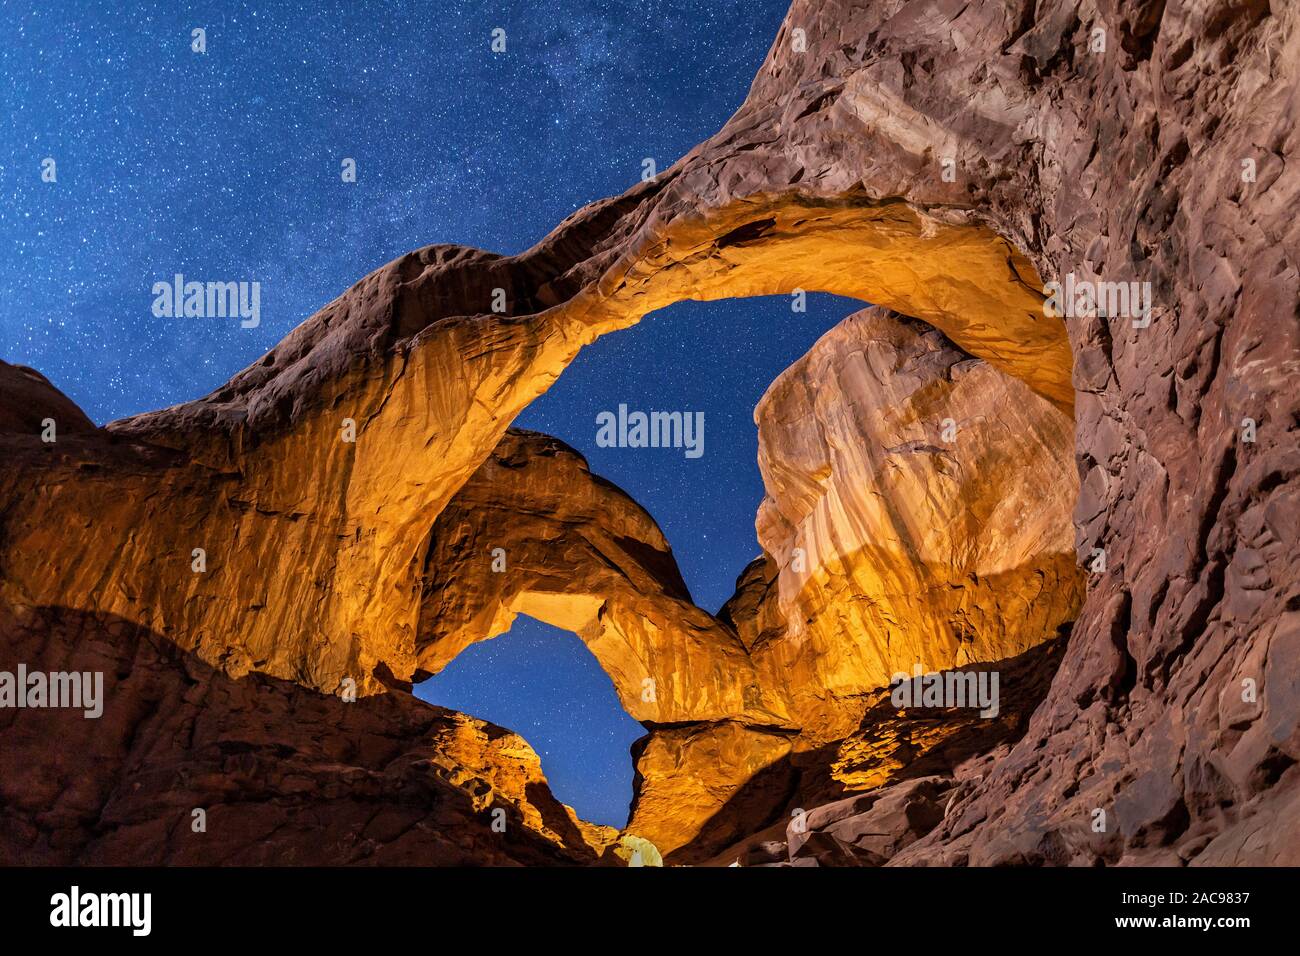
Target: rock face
28, 401
187, 765
534, 532
918, 516
870, 829
701, 787
936, 159
414, 364
918, 509
1167, 159
947, 749
282, 773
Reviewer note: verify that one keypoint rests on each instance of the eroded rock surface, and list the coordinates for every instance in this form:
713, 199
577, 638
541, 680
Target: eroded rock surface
918, 509
870, 829
888, 746
917, 520
535, 532
919, 547
415, 360
187, 765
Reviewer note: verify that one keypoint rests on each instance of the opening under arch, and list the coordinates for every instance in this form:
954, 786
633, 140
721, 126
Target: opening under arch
542, 683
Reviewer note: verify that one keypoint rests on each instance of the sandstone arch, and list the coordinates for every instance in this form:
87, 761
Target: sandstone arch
921, 550
1127, 164
581, 555
432, 381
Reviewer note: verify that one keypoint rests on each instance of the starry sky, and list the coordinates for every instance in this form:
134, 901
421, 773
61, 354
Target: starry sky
225, 165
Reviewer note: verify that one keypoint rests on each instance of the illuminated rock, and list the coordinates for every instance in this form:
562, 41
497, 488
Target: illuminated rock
187, 765
918, 508
933, 160
534, 532
702, 787
635, 851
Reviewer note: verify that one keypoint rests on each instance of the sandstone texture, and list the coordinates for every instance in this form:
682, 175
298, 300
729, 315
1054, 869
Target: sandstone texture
886, 749
190, 766
577, 553
918, 508
870, 829
940, 160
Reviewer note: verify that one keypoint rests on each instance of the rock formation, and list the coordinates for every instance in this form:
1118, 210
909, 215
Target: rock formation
920, 550
918, 508
883, 757
937, 159
188, 765
534, 532
918, 515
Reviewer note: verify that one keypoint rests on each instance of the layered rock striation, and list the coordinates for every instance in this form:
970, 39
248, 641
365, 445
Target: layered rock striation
918, 510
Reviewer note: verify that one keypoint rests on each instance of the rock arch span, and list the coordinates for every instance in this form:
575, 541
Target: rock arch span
432, 379
1125, 165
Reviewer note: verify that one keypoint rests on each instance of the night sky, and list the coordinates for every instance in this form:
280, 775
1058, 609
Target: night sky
226, 166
